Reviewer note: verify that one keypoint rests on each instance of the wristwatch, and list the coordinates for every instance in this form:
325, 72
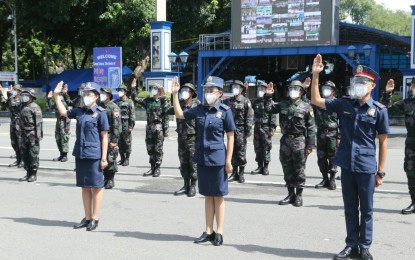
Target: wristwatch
381, 174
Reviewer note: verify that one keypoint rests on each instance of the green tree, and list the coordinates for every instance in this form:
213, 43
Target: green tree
356, 10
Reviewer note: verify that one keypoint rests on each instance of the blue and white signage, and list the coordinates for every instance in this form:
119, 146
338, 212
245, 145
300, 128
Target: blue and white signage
108, 66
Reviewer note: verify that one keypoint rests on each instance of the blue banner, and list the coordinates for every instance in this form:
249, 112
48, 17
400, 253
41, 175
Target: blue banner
108, 66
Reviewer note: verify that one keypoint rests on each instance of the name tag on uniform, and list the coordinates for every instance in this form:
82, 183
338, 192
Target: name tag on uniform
219, 114
94, 115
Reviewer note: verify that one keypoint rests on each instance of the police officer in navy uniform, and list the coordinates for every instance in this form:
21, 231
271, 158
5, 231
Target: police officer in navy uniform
361, 118
213, 159
90, 150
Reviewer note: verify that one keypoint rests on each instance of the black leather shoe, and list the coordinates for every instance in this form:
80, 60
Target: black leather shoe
409, 210
32, 178
298, 202
21, 165
323, 184
148, 173
82, 224
183, 190
365, 254
64, 158
57, 159
338, 178
347, 253
93, 224
218, 239
234, 177
120, 162
192, 191
109, 185
156, 172
24, 178
205, 237
265, 170
16, 163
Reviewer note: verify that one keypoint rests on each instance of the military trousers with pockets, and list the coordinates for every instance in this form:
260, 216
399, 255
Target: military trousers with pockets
293, 160
16, 138
262, 143
154, 143
186, 150
409, 164
30, 152
61, 136
239, 147
326, 150
124, 142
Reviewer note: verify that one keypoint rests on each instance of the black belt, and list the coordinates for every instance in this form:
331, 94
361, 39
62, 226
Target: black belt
293, 136
186, 137
327, 130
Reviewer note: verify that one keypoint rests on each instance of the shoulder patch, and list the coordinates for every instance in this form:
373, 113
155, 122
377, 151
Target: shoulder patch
224, 107
379, 105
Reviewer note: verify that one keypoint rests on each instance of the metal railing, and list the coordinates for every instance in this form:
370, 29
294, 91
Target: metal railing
209, 42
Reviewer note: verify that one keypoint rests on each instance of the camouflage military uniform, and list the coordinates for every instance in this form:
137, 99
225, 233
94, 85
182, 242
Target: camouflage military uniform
407, 107
243, 116
62, 128
327, 135
31, 123
157, 126
15, 130
264, 127
115, 128
127, 122
186, 140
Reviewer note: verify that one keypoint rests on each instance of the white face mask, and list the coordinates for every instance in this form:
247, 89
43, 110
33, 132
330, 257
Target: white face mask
103, 97
235, 90
294, 94
210, 98
154, 92
88, 101
185, 94
326, 92
14, 92
360, 90
120, 93
25, 99
261, 93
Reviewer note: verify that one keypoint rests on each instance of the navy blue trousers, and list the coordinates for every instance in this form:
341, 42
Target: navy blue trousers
358, 189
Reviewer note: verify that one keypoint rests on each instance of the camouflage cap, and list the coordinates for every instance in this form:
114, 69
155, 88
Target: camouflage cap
330, 84
122, 86
106, 90
190, 86
262, 84
296, 83
18, 87
30, 92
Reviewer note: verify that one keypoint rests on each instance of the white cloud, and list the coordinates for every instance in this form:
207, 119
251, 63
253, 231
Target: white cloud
397, 4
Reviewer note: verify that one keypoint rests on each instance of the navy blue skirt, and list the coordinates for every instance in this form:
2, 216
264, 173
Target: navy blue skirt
89, 173
212, 180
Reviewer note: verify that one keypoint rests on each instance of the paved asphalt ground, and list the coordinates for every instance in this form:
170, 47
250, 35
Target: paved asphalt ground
141, 219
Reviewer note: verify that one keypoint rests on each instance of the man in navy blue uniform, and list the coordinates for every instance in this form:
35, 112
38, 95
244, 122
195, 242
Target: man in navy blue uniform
361, 118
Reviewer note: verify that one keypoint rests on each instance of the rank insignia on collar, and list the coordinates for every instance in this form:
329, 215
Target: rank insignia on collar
371, 112
94, 115
218, 114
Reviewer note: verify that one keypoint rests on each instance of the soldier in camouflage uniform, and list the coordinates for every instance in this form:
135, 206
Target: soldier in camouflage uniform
243, 115
115, 128
32, 133
157, 126
328, 136
407, 107
127, 109
63, 124
186, 140
13, 103
264, 129
78, 101
298, 138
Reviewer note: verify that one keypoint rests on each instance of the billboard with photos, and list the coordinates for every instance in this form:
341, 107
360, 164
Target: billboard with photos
284, 23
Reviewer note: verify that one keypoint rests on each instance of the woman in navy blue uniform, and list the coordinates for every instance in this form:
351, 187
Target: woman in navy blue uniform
213, 159
90, 150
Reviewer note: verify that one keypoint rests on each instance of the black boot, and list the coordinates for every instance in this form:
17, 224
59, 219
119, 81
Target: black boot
106, 178
64, 157
299, 198
33, 176
156, 170
234, 176
120, 162
126, 160
258, 170
265, 170
324, 183
411, 208
21, 164
184, 189
192, 189
241, 174
332, 183
16, 163
149, 172
57, 159
110, 183
26, 177
290, 198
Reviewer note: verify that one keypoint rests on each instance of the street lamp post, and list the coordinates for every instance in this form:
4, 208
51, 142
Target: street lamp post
13, 18
178, 60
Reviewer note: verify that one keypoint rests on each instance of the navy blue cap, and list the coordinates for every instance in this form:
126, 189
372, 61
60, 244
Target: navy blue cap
92, 86
213, 81
363, 71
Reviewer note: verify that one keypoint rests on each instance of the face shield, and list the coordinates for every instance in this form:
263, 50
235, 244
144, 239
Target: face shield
236, 89
326, 91
184, 93
261, 91
294, 92
359, 87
